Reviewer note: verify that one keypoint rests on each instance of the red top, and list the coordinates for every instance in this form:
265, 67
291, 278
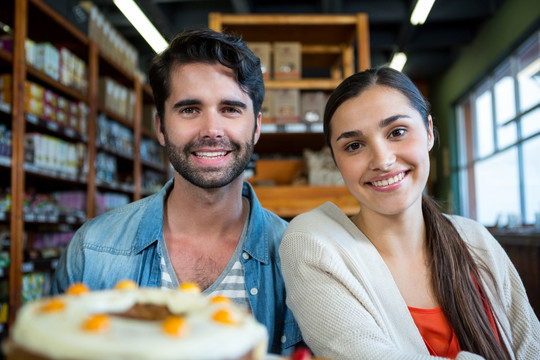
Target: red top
437, 333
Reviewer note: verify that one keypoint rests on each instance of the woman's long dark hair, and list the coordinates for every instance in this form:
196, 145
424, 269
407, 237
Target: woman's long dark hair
455, 273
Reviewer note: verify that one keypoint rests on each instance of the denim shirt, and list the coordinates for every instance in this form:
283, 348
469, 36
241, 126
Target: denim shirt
125, 243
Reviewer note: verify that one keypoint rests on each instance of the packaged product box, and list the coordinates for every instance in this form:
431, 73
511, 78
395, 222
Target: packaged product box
263, 51
267, 109
50, 98
34, 106
286, 105
6, 97
5, 82
313, 103
31, 52
105, 90
6, 44
48, 59
34, 91
287, 60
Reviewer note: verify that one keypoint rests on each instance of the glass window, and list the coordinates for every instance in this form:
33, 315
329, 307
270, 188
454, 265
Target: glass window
498, 166
531, 170
497, 187
530, 123
484, 123
505, 107
529, 74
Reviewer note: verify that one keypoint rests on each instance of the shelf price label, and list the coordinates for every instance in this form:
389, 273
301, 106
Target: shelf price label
27, 267
295, 128
269, 128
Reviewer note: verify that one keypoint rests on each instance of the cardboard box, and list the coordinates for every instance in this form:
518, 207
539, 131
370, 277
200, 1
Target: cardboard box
313, 104
263, 51
286, 106
267, 108
287, 60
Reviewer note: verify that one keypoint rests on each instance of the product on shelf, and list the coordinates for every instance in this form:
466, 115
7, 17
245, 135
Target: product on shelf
287, 60
136, 323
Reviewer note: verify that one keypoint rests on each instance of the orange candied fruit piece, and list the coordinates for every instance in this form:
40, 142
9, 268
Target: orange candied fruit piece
220, 299
77, 289
96, 323
126, 284
175, 326
225, 317
190, 287
53, 305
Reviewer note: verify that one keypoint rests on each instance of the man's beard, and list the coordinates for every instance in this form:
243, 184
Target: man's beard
209, 177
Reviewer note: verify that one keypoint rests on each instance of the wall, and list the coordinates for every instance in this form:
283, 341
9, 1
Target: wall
515, 20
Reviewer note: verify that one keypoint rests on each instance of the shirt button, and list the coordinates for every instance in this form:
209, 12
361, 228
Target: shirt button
253, 291
283, 339
245, 255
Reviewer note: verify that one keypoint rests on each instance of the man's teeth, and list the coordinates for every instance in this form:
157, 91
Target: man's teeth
389, 181
210, 155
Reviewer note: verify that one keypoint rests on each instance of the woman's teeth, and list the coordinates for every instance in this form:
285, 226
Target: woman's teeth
389, 181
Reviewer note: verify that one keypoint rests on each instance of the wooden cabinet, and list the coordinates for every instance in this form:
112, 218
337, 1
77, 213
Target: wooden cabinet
336, 44
25, 181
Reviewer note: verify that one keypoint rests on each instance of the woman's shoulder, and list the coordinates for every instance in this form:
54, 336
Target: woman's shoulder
320, 217
473, 232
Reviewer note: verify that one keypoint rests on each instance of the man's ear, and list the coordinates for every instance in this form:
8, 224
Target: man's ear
159, 134
258, 123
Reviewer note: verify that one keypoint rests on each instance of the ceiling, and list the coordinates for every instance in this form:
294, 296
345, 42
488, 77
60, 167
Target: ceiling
431, 48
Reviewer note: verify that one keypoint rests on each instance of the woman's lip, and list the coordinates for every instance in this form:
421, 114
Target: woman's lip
388, 180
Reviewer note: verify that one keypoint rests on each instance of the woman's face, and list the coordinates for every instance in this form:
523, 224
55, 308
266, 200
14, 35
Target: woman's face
381, 146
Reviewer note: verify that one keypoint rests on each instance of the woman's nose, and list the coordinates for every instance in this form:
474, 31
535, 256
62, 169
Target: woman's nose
382, 157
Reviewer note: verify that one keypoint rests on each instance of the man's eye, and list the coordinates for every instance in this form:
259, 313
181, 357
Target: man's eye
353, 146
231, 110
188, 110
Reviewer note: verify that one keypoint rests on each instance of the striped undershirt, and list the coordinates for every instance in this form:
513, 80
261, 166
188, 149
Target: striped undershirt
230, 282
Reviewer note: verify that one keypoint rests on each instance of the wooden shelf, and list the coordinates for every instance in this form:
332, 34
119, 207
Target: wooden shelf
289, 201
328, 42
37, 21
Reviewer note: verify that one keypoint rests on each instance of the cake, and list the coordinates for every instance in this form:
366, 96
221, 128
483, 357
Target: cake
135, 323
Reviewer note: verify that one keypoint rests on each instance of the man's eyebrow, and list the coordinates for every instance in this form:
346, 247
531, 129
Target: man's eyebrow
236, 103
186, 102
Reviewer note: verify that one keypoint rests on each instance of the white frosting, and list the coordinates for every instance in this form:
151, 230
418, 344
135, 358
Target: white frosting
60, 334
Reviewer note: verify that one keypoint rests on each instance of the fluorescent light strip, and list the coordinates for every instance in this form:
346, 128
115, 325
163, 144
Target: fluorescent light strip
140, 22
421, 11
398, 61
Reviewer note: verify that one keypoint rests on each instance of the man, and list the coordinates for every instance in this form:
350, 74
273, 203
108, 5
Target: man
206, 225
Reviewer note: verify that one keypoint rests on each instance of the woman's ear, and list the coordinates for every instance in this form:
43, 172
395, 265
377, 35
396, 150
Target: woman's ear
431, 136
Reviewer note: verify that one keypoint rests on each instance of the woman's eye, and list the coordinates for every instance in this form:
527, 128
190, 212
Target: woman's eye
397, 133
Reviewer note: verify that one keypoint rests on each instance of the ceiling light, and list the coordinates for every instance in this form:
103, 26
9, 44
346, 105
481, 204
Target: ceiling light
398, 61
421, 11
140, 22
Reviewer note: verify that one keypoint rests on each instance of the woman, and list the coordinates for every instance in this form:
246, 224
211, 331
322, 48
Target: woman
399, 280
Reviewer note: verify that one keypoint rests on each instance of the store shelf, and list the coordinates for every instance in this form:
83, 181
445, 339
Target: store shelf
329, 42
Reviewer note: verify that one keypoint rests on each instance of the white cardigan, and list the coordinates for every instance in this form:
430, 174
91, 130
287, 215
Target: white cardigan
349, 307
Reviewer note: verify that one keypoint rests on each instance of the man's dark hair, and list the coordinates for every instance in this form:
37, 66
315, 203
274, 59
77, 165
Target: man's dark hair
211, 47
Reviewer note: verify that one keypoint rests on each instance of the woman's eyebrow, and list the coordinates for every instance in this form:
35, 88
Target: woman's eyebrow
389, 120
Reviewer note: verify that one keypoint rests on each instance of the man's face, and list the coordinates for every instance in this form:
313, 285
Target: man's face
209, 129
